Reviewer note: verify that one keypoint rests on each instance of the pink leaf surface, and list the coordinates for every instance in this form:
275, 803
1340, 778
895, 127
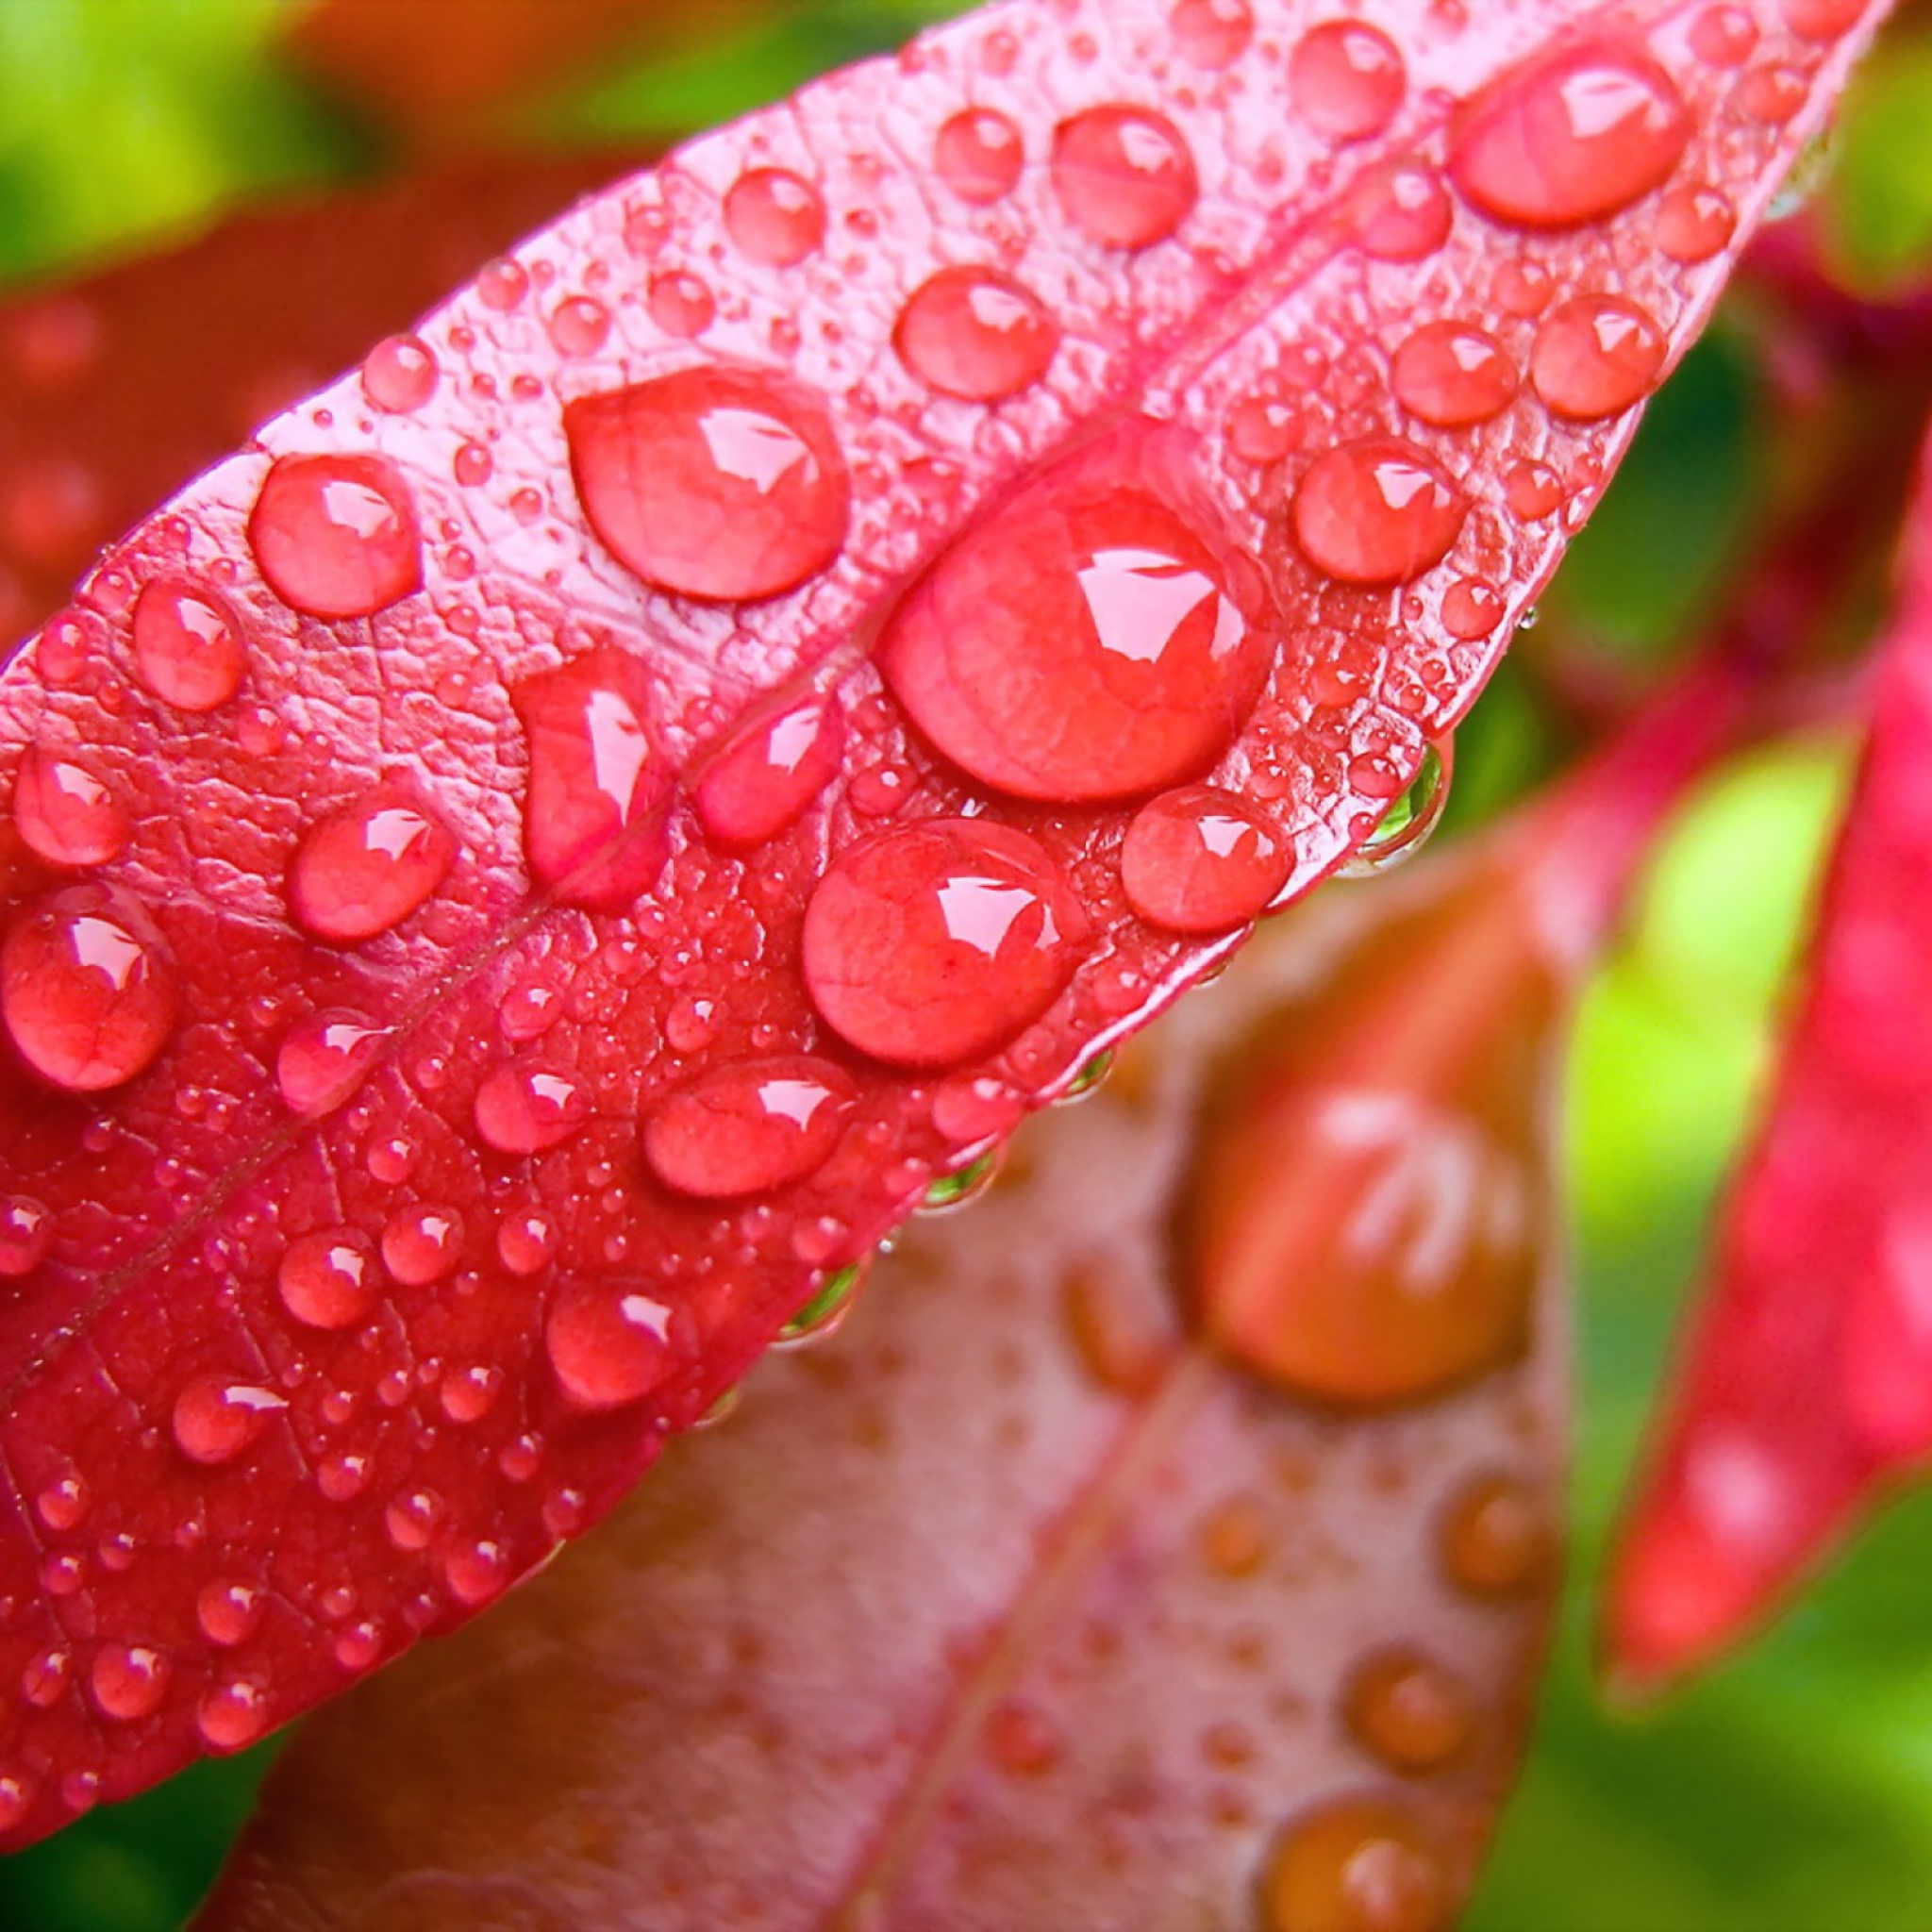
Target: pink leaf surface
788, 445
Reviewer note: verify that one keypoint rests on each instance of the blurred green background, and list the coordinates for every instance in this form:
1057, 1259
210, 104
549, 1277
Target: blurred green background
1792, 1791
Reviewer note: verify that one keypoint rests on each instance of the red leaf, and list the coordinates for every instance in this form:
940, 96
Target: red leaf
1158, 426
1806, 1385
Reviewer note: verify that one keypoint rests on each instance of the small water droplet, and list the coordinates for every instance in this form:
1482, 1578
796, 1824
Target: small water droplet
63, 1504
976, 334
412, 1518
17, 1794
1212, 33
422, 1244
1201, 861
1358, 1864
1694, 224
1410, 1711
326, 1279
1533, 490
1409, 822
608, 1347
1452, 374
363, 870
681, 305
334, 535
323, 1059
215, 1419
1471, 609
476, 1572
1597, 356
43, 1681
1233, 1538
232, 1716
1119, 1337
1346, 79
1770, 95
776, 218
1376, 511
1496, 1540
978, 155
1723, 36
1399, 212
502, 284
963, 1185
579, 326
64, 814
762, 778
527, 1109
1023, 1739
749, 1127
358, 1646
189, 645
399, 373
26, 1235
468, 1395
129, 1681
526, 1241
229, 1613
1124, 176
1264, 428
472, 464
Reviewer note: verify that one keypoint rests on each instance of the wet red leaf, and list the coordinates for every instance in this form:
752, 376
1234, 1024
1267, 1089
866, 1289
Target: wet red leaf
1171, 425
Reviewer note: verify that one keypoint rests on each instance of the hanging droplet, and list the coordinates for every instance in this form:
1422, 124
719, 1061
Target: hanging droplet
326, 1280
334, 535
1091, 1076
1376, 511
608, 1347
962, 1185
26, 1235
978, 155
422, 1244
1359, 1864
88, 987
1124, 176
1407, 827
215, 1419
827, 1310
1411, 1712
1597, 356
188, 646
765, 774
775, 217
1346, 79
399, 373
939, 943
524, 1109
1574, 137
1201, 861
323, 1061
715, 482
748, 1127
363, 870
976, 334
1452, 374
64, 814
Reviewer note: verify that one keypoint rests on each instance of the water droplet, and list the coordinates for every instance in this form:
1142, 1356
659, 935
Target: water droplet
1358, 1864
1452, 374
1346, 79
1496, 1540
1084, 642
1212, 33
593, 811
1407, 827
976, 334
578, 326
358, 1646
43, 1681
681, 305
1124, 176
525, 1109
769, 770
775, 217
64, 814
1410, 1711
472, 465
324, 1279
26, 1234
323, 1059
1201, 861
1597, 356
1471, 609
129, 1681
232, 1716
1023, 1739
938, 943
502, 284
1264, 428
1118, 1337
468, 1395
62, 1505
608, 1347
1233, 1538
476, 1572
17, 1794
978, 155
827, 1309
422, 1244
1399, 212
229, 1613
334, 535
188, 646
1694, 224
399, 373
1571, 138
342, 1479
365, 869
1533, 490
1770, 95
1724, 36
749, 1127
1376, 511
1822, 20
87, 988
412, 1518
963, 1185
719, 483
216, 1418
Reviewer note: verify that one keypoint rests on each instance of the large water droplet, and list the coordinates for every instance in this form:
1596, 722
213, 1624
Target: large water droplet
1124, 176
215, 1419
129, 1681
1597, 356
1084, 642
526, 1108
1412, 1713
399, 373
1346, 79
608, 1346
1201, 861
323, 1059
26, 1234
188, 646
1212, 33
87, 988
747, 1128
422, 1244
326, 1280
65, 814
593, 811
365, 869
1452, 374
1376, 511
976, 334
1571, 137
978, 155
334, 535
715, 482
770, 769
938, 943
775, 217
1358, 1864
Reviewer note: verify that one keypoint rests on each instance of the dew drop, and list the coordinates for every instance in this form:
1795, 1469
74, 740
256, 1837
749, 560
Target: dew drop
412, 1518
363, 870
232, 1716
326, 1279
525, 1109
43, 1681
1496, 1540
469, 1394
1120, 1340
422, 1244
1264, 428
1571, 137
749, 1127
769, 770
593, 810
719, 483
1124, 176
64, 814
963, 1185
827, 1309
1407, 825
938, 943
525, 1241
1410, 1711
1084, 642
1346, 79
578, 326
216, 1418
1471, 609
129, 1681
681, 305
775, 217
334, 535
1532, 489
1399, 212
978, 155
1234, 1540
1597, 356
17, 1794
1723, 36
976, 334
229, 1613
1771, 95
1452, 374
502, 284
323, 1059
1694, 224
472, 465
1376, 511
1212, 33
476, 1572
1358, 1864
62, 1505
342, 1479
188, 646
26, 1235
358, 1646
1822, 20
1201, 861
528, 1012
87, 988
399, 373
608, 1347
